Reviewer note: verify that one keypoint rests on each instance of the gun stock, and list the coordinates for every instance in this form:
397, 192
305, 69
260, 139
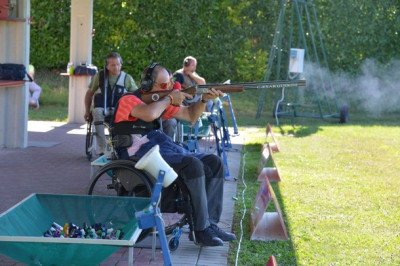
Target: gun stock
153, 96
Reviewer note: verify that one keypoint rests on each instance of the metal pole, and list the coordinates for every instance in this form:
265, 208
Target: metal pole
274, 49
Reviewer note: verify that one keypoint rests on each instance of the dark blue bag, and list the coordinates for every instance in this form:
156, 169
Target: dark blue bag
85, 70
13, 72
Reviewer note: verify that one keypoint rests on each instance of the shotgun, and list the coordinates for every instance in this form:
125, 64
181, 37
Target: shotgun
153, 96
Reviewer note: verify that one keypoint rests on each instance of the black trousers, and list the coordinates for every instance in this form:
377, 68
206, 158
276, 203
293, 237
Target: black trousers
204, 179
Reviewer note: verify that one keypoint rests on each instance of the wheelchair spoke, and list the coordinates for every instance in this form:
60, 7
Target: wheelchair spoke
103, 184
120, 179
173, 220
89, 140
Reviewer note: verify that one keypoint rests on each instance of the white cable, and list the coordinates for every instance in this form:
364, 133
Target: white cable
277, 106
291, 77
244, 212
157, 211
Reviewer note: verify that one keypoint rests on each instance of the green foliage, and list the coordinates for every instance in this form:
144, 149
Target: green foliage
358, 30
50, 33
138, 31
230, 38
54, 87
54, 97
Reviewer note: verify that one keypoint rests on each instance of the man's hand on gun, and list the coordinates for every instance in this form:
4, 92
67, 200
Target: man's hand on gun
212, 94
178, 97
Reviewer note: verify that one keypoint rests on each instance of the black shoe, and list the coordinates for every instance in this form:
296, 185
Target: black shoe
207, 237
225, 236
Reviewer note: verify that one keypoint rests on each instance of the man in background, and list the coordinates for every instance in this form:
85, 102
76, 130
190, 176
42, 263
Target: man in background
190, 77
34, 90
107, 87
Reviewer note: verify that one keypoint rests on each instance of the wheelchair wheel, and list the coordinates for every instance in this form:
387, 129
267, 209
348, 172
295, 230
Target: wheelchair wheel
120, 178
89, 138
173, 244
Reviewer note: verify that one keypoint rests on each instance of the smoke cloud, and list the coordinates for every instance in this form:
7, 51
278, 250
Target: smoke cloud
375, 91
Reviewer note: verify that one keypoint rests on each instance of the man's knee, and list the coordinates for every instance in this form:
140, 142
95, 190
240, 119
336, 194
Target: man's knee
213, 166
98, 114
190, 168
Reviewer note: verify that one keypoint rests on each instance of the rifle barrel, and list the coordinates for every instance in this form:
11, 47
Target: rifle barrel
261, 84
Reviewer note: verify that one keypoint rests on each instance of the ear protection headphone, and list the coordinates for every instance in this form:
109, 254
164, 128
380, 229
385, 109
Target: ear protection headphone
146, 84
186, 62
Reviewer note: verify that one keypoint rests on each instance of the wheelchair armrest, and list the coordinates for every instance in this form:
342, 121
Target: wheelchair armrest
122, 141
134, 158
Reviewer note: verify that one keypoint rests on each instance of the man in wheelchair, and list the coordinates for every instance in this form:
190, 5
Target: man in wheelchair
107, 87
203, 174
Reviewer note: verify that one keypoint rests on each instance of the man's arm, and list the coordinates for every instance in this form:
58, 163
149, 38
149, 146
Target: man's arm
149, 112
130, 83
88, 102
196, 78
193, 112
94, 83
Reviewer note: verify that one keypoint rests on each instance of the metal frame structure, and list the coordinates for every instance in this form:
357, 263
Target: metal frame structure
292, 102
151, 218
220, 129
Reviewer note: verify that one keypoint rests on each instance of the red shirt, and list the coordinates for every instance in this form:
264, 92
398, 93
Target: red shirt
128, 102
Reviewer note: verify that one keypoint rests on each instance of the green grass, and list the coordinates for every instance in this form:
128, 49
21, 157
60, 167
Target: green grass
49, 113
339, 192
54, 97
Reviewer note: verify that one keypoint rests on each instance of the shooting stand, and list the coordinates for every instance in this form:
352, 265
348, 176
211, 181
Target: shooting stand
151, 218
220, 129
218, 122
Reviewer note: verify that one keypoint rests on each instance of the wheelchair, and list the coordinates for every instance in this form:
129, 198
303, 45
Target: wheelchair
90, 132
91, 144
119, 177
